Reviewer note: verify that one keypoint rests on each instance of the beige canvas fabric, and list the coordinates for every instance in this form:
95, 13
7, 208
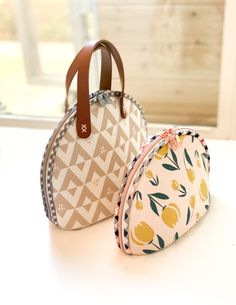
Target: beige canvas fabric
83, 176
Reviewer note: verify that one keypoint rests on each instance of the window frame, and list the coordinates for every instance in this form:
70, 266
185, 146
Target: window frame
80, 10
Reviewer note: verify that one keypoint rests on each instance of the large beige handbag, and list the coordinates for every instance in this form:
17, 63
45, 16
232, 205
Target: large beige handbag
87, 156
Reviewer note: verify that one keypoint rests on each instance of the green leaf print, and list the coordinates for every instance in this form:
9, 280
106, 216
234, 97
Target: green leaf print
161, 242
187, 157
204, 163
160, 196
196, 154
176, 236
137, 195
188, 216
205, 157
154, 183
174, 156
147, 251
169, 167
153, 206
183, 191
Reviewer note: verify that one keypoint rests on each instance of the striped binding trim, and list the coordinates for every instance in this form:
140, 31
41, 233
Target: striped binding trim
132, 164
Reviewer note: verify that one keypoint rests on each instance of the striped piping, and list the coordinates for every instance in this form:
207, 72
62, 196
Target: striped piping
117, 207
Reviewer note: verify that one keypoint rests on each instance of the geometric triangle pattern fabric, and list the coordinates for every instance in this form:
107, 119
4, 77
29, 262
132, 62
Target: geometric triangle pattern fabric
80, 178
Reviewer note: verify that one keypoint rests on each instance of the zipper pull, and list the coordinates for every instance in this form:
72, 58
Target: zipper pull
166, 133
171, 138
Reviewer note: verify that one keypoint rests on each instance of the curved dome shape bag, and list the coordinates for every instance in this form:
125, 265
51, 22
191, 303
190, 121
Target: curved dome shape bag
88, 154
164, 193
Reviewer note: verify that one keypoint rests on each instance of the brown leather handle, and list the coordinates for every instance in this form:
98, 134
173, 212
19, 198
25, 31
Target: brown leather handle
83, 123
106, 72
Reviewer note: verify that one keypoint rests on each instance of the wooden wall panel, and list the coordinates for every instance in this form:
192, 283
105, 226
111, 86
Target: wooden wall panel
205, 115
170, 92
181, 24
180, 102
171, 52
174, 62
159, 2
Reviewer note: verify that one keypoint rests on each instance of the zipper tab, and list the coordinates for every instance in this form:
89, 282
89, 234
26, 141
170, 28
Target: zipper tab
166, 133
171, 138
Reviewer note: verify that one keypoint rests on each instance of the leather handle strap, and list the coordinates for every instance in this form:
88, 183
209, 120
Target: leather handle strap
106, 72
83, 122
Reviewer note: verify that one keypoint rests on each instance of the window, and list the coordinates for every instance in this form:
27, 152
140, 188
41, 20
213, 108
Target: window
179, 56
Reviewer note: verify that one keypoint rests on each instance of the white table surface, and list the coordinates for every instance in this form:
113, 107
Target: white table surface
40, 264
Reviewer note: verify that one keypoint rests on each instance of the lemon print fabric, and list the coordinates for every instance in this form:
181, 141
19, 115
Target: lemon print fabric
191, 174
162, 152
175, 185
203, 190
170, 215
192, 201
139, 205
137, 196
144, 235
153, 180
149, 174
170, 195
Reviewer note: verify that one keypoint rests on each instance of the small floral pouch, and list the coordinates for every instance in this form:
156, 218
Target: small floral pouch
164, 193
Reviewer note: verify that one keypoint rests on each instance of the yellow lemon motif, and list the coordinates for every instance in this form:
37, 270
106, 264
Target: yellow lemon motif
198, 163
162, 152
197, 216
191, 175
203, 190
181, 138
144, 234
139, 205
149, 174
170, 215
175, 185
192, 201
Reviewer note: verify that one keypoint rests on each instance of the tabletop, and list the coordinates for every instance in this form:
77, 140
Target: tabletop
41, 264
